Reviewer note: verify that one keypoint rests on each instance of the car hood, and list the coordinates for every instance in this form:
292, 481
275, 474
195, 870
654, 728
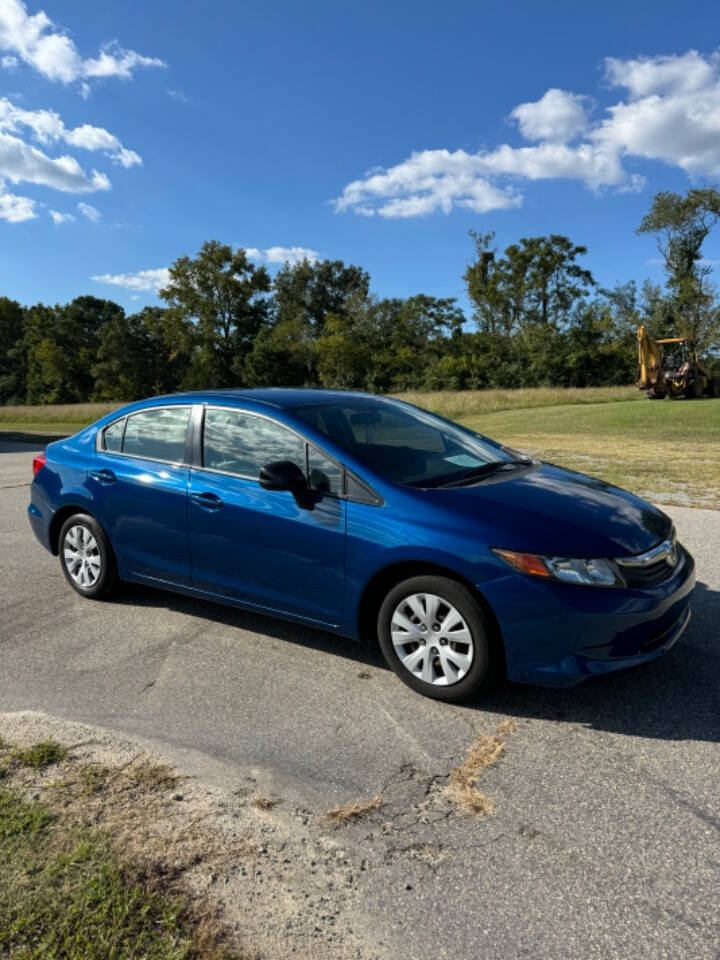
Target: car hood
549, 510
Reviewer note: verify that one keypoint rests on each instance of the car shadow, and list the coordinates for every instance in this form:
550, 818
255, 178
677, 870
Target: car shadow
676, 697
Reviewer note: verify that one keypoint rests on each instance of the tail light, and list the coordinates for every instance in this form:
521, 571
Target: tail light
38, 463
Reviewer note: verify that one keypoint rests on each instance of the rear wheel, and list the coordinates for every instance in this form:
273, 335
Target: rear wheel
691, 390
86, 556
435, 637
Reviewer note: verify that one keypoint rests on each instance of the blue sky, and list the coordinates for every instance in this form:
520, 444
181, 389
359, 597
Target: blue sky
377, 133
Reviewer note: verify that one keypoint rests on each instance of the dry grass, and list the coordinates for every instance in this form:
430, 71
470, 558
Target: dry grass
461, 404
483, 753
354, 811
52, 413
455, 404
264, 802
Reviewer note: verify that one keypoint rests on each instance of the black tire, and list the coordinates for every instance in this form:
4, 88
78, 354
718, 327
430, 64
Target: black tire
485, 661
655, 394
106, 579
691, 390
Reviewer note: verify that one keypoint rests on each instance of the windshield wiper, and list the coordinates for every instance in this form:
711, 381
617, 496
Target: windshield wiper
487, 470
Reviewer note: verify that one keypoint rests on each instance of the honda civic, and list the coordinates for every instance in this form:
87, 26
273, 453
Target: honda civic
371, 518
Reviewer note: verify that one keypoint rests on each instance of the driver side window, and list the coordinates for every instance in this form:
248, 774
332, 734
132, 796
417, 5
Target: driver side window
242, 443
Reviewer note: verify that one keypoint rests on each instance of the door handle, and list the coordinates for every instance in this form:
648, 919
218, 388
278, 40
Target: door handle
103, 476
208, 501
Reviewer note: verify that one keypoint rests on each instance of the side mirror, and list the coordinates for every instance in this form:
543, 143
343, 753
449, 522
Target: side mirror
284, 475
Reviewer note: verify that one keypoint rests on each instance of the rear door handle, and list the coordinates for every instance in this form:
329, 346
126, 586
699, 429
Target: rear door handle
208, 501
103, 476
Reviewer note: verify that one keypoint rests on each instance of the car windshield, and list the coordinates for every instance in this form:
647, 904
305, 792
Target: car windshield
408, 445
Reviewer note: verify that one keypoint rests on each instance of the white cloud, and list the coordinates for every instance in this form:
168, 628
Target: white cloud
661, 75
671, 113
59, 218
47, 127
15, 209
9, 62
89, 212
556, 116
176, 94
282, 254
151, 280
114, 61
36, 40
20, 161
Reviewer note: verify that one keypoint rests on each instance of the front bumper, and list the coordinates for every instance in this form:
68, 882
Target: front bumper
558, 634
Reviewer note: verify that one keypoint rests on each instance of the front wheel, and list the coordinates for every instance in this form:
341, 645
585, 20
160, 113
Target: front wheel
86, 556
434, 636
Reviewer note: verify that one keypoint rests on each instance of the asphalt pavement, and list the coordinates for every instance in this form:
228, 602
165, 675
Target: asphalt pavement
605, 841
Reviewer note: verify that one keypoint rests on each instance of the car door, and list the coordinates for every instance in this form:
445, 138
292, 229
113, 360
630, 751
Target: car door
261, 546
139, 486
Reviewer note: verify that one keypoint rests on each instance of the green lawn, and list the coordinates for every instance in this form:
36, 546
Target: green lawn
668, 451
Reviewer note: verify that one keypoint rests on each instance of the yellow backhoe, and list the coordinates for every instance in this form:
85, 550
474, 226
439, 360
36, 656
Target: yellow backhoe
672, 373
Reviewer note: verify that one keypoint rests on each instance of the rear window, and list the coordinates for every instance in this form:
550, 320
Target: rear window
156, 434
113, 436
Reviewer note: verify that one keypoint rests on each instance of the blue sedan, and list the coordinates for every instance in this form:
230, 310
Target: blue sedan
374, 519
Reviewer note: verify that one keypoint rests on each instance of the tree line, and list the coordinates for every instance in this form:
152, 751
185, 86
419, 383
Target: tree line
538, 318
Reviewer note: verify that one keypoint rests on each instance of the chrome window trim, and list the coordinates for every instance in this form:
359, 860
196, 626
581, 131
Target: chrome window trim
100, 437
376, 502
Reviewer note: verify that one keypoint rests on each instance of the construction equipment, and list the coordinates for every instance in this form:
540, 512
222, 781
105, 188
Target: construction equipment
677, 373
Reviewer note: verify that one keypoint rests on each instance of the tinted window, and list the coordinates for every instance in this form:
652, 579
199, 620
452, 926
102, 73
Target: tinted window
243, 443
113, 436
157, 434
402, 442
324, 475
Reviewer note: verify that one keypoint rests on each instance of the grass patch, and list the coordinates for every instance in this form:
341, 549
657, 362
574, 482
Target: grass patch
40, 755
485, 752
354, 811
667, 451
83, 873
264, 802
64, 894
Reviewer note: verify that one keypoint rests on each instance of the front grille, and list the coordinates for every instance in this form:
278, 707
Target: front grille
650, 575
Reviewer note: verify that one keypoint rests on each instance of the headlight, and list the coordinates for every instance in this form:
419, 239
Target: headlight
598, 572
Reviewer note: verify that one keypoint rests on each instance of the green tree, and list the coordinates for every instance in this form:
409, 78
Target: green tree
485, 281
221, 292
308, 292
61, 345
305, 294
537, 281
13, 366
681, 225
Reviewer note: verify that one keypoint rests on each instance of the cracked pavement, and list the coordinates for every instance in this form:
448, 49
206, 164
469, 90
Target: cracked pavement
605, 838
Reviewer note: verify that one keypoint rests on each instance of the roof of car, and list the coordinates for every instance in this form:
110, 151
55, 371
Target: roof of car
281, 397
